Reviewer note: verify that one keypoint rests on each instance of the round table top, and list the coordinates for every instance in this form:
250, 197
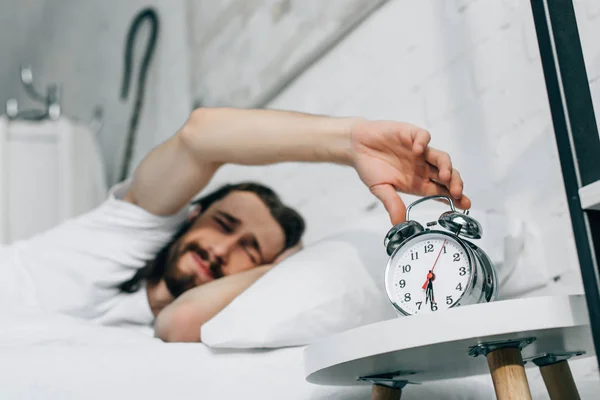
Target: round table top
436, 346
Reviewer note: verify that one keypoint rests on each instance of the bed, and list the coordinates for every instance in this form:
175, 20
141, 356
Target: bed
45, 356
252, 349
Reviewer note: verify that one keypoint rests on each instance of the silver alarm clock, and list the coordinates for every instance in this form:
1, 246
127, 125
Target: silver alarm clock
431, 270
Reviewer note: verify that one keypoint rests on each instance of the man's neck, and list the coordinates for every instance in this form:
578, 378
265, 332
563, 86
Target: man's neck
158, 296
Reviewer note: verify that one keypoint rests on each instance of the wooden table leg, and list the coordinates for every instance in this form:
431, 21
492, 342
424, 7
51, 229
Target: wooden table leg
508, 374
559, 381
379, 392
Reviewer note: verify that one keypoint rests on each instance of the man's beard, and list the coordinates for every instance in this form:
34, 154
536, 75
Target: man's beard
178, 282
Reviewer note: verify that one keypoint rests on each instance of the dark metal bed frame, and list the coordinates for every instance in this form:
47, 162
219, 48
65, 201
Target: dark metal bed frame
576, 134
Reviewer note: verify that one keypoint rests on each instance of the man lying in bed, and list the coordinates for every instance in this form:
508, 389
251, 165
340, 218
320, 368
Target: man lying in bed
146, 260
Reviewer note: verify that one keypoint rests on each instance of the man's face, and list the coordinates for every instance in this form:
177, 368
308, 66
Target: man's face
234, 234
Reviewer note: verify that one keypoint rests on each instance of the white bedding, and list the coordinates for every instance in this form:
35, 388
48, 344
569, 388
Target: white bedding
57, 357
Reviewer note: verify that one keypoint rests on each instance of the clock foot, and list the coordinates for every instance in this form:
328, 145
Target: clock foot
559, 381
379, 392
508, 374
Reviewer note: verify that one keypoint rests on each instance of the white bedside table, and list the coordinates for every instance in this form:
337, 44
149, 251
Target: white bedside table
460, 342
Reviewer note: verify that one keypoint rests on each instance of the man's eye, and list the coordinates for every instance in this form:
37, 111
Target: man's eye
224, 225
251, 255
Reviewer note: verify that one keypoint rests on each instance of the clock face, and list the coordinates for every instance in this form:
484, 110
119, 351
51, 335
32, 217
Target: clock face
429, 273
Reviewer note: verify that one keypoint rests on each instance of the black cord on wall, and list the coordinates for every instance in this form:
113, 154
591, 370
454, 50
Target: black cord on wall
150, 15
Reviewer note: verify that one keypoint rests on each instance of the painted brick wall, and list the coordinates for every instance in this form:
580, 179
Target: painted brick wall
469, 71
242, 49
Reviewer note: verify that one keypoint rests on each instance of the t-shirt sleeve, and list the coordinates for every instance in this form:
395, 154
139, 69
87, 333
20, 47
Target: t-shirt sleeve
77, 266
117, 233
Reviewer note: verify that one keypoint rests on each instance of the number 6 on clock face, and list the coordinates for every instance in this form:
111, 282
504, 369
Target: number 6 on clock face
430, 272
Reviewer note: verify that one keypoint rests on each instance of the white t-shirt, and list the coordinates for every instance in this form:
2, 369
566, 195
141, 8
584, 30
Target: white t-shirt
76, 267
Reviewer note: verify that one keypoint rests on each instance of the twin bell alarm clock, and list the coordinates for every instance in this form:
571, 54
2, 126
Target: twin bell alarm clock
430, 270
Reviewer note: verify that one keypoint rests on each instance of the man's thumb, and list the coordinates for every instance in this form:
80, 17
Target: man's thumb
391, 201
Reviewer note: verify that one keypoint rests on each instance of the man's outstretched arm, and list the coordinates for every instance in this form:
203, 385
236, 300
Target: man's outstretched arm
388, 156
174, 172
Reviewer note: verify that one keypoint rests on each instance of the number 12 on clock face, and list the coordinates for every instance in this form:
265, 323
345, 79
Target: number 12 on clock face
429, 273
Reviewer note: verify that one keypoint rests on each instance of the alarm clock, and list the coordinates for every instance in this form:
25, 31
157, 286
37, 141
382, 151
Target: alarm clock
431, 270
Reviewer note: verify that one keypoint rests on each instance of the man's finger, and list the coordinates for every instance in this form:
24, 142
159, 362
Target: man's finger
421, 139
391, 201
464, 203
433, 173
442, 161
456, 184
433, 189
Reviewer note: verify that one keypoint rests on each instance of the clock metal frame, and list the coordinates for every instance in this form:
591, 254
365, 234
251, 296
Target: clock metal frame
482, 286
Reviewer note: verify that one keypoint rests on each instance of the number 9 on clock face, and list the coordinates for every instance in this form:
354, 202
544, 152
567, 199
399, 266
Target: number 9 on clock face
430, 272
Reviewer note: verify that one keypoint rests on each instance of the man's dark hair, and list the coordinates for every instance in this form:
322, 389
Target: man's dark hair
290, 221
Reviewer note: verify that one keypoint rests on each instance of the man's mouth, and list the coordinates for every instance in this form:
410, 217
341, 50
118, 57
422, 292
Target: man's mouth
203, 266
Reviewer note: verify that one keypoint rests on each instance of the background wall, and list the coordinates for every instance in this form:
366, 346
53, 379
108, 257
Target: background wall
469, 71
243, 50
215, 53
80, 45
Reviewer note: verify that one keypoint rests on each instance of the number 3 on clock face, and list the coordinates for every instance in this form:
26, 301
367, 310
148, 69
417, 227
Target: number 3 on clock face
431, 272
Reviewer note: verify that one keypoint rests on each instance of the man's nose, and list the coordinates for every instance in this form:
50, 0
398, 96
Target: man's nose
223, 247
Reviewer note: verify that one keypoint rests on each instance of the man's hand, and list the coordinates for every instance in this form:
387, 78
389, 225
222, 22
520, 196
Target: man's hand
288, 253
389, 156
394, 156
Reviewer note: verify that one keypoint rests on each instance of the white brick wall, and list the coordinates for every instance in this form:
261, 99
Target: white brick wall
241, 50
468, 71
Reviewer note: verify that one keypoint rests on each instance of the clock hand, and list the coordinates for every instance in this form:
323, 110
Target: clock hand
438, 256
432, 297
431, 275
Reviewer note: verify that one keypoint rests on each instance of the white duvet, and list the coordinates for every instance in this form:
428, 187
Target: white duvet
56, 357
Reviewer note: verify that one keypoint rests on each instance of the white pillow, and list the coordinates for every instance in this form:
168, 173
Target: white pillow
331, 286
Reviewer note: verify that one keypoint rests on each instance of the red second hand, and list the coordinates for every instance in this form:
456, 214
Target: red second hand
430, 274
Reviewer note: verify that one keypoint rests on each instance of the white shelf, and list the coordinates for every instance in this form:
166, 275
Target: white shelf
589, 196
424, 351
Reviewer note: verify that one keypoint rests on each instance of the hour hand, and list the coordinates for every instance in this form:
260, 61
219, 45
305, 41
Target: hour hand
429, 292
